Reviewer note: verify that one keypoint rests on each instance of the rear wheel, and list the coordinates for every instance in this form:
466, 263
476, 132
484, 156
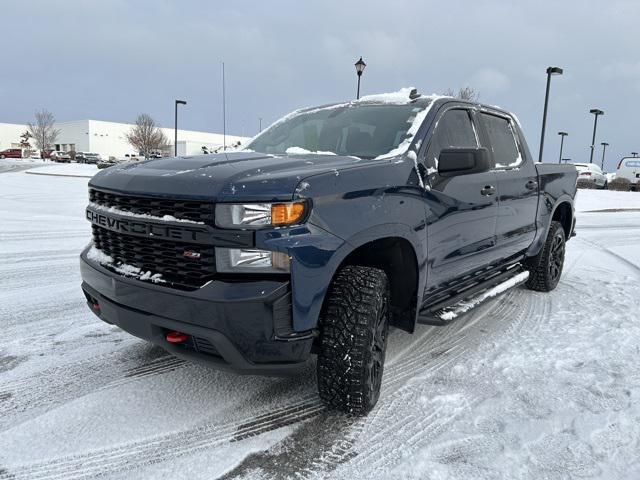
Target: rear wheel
353, 339
545, 268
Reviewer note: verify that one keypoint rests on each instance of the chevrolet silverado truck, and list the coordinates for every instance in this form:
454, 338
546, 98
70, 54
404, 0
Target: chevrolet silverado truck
331, 226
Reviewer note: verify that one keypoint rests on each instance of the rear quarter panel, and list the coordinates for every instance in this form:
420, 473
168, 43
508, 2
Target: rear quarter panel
557, 184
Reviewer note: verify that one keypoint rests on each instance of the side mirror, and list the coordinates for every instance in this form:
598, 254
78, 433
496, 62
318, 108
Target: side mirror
463, 161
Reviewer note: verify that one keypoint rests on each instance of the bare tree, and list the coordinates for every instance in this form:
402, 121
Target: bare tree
145, 136
43, 130
464, 93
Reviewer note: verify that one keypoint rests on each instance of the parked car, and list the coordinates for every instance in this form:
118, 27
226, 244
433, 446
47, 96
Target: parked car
590, 172
61, 157
11, 153
335, 224
87, 157
629, 168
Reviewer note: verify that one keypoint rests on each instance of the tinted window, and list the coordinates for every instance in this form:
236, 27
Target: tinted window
502, 141
362, 130
454, 130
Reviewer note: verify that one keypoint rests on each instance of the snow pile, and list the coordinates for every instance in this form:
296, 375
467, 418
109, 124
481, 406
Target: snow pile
66, 170
98, 256
124, 213
304, 151
467, 305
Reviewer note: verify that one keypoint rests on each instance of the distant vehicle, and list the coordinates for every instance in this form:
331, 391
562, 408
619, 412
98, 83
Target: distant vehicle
590, 172
87, 157
11, 153
60, 157
629, 168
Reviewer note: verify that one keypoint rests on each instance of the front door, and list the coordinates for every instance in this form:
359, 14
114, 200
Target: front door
461, 210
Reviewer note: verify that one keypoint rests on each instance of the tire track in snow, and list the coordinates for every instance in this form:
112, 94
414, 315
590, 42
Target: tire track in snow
74, 381
453, 343
420, 358
415, 426
139, 454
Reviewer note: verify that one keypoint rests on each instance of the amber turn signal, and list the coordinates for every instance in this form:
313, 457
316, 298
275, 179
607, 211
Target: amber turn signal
287, 213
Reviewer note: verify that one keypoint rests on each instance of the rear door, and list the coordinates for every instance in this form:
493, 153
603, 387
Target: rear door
461, 210
517, 183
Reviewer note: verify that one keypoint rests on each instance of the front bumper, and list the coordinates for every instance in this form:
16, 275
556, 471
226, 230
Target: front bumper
245, 327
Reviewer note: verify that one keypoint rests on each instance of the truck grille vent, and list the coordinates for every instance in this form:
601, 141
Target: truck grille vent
158, 207
159, 256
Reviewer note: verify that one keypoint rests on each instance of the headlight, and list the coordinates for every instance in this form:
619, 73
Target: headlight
250, 260
257, 215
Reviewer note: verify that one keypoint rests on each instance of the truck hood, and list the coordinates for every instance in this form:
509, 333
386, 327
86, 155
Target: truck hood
225, 177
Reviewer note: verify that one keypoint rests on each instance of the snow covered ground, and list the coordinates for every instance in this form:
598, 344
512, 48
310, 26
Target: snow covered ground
65, 170
527, 385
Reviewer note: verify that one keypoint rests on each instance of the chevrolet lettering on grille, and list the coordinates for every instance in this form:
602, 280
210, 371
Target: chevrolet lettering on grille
134, 227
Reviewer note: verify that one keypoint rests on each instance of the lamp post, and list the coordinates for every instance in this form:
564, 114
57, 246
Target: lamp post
550, 71
175, 137
604, 149
596, 113
359, 69
562, 135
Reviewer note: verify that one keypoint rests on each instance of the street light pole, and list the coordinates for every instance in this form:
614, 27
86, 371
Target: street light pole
550, 71
359, 69
604, 149
175, 137
562, 135
596, 112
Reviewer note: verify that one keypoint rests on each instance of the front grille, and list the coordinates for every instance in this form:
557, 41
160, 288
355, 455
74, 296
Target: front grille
161, 256
193, 210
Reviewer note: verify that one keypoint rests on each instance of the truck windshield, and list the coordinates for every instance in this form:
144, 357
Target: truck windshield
359, 130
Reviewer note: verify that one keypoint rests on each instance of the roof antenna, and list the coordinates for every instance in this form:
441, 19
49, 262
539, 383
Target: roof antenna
414, 94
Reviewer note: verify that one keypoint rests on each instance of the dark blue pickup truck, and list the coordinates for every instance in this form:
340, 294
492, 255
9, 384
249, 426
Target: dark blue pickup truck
332, 225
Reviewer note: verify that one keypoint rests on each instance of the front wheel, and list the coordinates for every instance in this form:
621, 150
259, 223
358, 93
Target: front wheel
546, 267
353, 339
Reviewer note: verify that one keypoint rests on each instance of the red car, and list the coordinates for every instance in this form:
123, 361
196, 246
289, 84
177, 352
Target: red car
11, 153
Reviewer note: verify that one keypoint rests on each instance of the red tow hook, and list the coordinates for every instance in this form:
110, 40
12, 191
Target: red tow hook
95, 306
177, 337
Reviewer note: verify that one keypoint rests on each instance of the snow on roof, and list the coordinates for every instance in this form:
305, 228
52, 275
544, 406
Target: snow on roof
400, 96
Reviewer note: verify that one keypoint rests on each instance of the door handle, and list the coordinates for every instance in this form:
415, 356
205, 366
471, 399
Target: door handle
488, 190
531, 185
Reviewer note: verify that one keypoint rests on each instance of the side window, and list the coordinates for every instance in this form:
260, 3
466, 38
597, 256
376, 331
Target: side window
454, 130
502, 141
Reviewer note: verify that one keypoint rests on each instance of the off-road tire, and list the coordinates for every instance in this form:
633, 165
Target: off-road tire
545, 268
354, 326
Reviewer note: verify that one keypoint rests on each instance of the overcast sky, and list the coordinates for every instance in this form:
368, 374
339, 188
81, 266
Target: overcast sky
110, 60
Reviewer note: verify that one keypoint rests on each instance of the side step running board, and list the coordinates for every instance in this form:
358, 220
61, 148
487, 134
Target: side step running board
447, 310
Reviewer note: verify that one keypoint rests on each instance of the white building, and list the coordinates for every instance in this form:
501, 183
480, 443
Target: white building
108, 138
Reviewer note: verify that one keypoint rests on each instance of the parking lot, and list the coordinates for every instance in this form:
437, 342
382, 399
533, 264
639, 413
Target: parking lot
528, 384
